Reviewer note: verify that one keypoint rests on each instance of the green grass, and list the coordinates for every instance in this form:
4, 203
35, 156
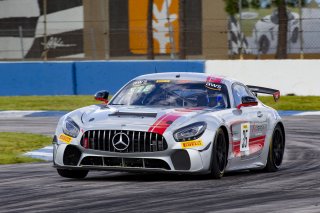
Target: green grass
63, 103
13, 145
68, 103
303, 103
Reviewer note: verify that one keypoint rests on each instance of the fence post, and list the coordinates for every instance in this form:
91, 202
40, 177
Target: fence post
171, 37
240, 26
45, 42
300, 30
93, 44
21, 42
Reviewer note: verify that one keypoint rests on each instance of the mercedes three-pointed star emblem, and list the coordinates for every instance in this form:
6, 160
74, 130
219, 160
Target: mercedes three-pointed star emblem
120, 141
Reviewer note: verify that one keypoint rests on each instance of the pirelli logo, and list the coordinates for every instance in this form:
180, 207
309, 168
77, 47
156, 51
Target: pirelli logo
190, 144
65, 138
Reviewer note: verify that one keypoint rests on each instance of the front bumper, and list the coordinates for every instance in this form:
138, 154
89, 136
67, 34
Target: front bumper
69, 156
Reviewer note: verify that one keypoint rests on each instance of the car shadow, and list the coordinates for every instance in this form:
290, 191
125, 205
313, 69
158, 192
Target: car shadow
160, 177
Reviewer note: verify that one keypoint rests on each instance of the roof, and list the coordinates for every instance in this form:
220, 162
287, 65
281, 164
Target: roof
183, 76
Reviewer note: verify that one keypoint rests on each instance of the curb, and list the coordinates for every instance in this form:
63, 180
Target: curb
30, 113
43, 154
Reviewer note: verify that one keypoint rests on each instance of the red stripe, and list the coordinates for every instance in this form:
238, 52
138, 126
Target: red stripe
164, 122
255, 144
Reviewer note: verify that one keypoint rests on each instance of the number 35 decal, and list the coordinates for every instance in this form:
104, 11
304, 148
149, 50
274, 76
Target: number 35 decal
245, 135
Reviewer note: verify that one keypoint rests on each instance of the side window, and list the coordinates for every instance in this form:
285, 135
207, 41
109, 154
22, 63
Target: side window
239, 91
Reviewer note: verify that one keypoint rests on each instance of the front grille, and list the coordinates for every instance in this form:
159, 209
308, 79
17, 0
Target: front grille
138, 141
125, 162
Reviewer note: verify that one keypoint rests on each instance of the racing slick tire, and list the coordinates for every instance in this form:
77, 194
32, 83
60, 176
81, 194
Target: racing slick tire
276, 150
219, 155
264, 44
67, 173
295, 34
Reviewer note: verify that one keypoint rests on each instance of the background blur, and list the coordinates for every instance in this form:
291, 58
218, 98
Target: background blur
118, 29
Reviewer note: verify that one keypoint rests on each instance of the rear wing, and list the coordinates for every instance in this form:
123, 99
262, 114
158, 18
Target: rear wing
275, 93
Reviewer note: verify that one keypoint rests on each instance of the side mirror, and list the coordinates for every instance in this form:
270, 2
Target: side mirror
247, 101
102, 96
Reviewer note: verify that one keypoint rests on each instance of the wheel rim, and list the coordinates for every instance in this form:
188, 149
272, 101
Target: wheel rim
278, 147
221, 152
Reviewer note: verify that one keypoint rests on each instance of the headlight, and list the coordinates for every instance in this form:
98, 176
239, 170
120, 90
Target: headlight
190, 132
70, 127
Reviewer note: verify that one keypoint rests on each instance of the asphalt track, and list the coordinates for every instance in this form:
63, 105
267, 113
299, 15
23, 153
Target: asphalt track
295, 188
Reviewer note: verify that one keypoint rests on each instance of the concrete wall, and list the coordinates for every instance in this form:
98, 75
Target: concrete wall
300, 77
36, 78
67, 78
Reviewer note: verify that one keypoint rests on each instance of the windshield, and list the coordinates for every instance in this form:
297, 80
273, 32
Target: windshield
179, 93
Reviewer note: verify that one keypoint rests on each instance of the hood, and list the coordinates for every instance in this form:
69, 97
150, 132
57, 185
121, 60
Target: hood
139, 118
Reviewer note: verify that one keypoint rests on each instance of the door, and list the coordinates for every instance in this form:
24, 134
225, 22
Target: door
249, 129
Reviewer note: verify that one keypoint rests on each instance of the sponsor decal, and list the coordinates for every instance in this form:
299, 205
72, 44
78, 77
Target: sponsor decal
245, 135
213, 86
257, 130
183, 81
214, 79
139, 82
190, 144
65, 138
162, 81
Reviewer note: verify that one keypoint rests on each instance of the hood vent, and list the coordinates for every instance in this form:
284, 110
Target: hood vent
134, 114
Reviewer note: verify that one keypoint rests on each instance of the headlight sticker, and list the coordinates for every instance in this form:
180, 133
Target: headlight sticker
190, 144
65, 138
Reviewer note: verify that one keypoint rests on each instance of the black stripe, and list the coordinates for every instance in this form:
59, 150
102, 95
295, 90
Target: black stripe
58, 5
10, 26
137, 114
68, 38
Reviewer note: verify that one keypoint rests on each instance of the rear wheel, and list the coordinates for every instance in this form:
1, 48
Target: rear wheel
219, 155
79, 174
276, 150
264, 44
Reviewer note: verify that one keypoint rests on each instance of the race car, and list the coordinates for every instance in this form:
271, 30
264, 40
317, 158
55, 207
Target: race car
172, 123
265, 32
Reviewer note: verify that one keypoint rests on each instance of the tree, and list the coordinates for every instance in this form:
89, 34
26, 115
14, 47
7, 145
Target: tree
150, 51
232, 7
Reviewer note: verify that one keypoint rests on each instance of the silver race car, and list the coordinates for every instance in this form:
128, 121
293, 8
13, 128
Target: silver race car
172, 122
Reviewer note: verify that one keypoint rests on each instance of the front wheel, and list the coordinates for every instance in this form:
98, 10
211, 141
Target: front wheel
276, 150
67, 173
219, 155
